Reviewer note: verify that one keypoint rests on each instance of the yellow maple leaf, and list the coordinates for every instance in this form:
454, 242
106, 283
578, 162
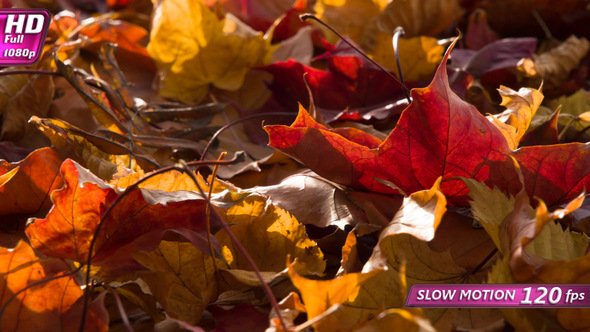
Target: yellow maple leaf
193, 50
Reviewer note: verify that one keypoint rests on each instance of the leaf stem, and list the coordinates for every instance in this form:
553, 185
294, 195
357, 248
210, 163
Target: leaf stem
542, 24
399, 31
484, 262
120, 307
29, 72
361, 52
565, 128
244, 252
208, 212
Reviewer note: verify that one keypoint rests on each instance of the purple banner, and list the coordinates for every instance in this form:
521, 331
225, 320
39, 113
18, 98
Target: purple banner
22, 35
499, 295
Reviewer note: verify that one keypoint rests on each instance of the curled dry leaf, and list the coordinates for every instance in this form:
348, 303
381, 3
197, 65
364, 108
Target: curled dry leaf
102, 156
443, 260
54, 305
313, 201
419, 18
555, 65
521, 107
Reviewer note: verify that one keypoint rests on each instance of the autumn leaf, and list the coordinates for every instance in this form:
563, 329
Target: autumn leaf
181, 277
137, 222
521, 107
349, 85
103, 156
320, 295
268, 233
128, 37
555, 65
50, 305
313, 201
193, 51
20, 98
455, 128
272, 234
28, 190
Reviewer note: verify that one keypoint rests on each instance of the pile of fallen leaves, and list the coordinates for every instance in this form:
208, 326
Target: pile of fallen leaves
224, 165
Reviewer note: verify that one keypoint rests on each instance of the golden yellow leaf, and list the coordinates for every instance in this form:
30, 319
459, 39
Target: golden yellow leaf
418, 17
521, 107
269, 234
420, 214
320, 295
193, 50
419, 56
350, 261
352, 18
182, 278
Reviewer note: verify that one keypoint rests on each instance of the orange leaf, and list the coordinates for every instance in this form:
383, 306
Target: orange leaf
55, 305
137, 222
28, 190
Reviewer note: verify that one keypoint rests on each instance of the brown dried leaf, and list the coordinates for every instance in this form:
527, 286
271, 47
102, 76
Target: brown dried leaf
22, 96
555, 65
